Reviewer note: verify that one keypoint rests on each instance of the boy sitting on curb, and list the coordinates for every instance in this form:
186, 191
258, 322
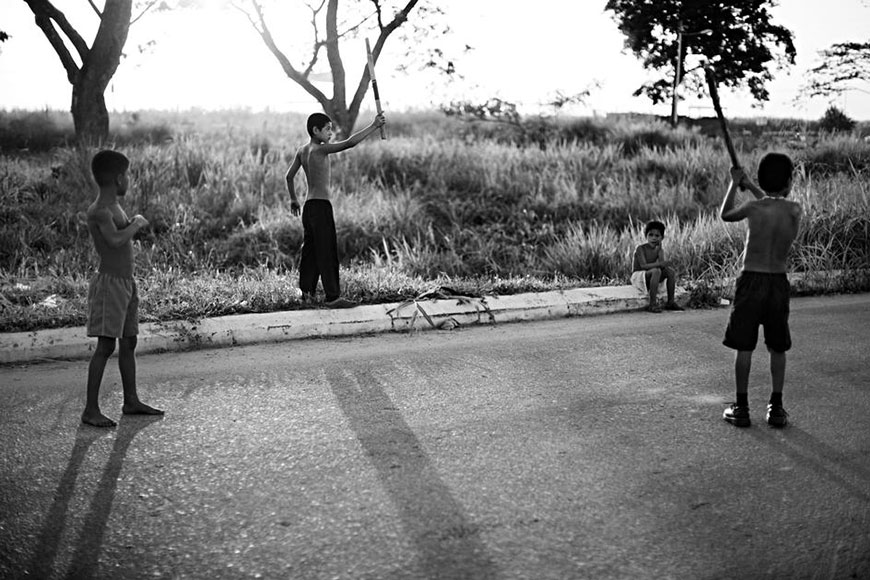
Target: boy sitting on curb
650, 267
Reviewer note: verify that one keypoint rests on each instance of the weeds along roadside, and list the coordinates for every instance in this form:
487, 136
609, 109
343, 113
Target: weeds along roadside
415, 211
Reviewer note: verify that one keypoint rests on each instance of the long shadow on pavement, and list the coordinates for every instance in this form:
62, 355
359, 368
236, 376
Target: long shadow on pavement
828, 462
90, 540
448, 544
55, 520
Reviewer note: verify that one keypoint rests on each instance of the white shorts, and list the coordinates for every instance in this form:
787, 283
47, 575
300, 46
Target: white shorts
638, 280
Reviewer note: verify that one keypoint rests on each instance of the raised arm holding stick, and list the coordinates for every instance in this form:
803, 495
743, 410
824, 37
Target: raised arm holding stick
710, 75
371, 65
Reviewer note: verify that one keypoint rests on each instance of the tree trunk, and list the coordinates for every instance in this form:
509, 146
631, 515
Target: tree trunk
90, 116
343, 119
89, 112
99, 62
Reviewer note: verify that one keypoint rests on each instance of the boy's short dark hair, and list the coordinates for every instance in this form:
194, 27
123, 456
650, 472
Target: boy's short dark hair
107, 165
774, 172
317, 121
654, 225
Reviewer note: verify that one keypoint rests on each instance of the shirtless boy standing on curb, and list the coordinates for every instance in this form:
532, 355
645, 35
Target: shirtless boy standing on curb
762, 292
319, 245
113, 301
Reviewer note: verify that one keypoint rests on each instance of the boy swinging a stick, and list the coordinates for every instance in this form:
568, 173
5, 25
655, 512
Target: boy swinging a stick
762, 294
761, 297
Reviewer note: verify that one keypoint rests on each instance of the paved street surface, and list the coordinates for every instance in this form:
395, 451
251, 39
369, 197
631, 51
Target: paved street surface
581, 448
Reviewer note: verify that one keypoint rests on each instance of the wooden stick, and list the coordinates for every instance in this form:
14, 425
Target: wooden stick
714, 94
371, 64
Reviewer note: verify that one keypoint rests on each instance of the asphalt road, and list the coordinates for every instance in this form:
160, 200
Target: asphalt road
589, 447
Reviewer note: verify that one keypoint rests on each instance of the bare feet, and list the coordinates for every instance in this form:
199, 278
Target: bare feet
139, 408
97, 419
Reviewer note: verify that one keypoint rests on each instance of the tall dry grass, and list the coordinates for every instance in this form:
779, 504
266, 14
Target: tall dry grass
439, 202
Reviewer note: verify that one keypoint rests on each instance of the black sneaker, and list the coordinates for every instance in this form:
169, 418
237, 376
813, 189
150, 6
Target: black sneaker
737, 416
673, 306
776, 416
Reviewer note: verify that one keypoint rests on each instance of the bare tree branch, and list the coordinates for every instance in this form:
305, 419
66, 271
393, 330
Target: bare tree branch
295, 75
385, 31
318, 44
97, 10
48, 11
329, 29
44, 14
379, 13
354, 28
148, 7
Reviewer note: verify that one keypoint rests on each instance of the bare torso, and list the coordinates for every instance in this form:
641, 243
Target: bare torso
773, 226
117, 261
650, 255
315, 163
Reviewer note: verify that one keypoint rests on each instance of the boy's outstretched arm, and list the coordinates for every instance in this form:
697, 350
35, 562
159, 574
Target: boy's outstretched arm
357, 137
291, 187
728, 212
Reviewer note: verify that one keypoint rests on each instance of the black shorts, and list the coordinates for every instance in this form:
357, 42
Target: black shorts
760, 299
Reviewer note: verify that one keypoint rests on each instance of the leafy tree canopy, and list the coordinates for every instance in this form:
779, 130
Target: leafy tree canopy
741, 41
844, 66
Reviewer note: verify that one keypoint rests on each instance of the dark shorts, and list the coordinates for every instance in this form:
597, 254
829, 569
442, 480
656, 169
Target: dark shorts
113, 307
760, 300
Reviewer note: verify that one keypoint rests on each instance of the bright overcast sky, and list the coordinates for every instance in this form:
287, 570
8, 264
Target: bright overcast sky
213, 59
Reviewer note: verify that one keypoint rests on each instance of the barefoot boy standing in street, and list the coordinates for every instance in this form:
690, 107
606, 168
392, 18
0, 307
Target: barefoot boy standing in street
113, 301
319, 246
762, 293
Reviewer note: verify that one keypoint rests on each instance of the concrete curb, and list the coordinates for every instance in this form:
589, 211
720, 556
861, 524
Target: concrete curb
73, 343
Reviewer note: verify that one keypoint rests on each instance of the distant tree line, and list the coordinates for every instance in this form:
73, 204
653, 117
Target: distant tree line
738, 36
